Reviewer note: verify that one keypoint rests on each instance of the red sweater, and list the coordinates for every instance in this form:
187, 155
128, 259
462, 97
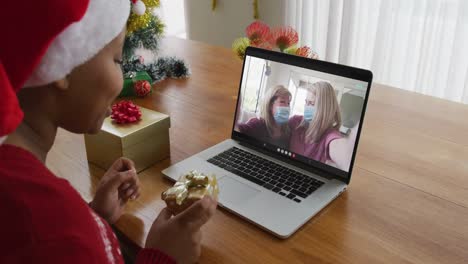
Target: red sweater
44, 220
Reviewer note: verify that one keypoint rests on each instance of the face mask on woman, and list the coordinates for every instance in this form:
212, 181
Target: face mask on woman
309, 113
281, 115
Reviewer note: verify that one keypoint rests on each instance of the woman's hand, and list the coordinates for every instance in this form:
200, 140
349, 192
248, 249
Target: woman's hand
119, 184
180, 236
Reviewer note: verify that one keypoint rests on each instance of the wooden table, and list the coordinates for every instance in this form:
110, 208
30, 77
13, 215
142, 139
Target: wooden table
408, 198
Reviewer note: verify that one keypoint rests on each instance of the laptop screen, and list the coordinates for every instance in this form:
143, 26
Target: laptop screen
301, 113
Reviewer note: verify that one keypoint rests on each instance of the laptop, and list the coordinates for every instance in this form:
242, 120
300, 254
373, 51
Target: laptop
281, 182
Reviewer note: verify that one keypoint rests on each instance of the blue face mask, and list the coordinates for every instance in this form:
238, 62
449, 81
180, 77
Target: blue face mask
282, 115
309, 113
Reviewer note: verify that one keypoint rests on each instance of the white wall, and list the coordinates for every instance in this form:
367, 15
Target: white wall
172, 14
279, 74
229, 20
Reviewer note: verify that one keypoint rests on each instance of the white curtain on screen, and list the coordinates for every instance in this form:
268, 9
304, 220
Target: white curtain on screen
417, 45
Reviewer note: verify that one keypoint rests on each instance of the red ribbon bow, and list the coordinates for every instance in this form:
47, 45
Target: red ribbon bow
125, 112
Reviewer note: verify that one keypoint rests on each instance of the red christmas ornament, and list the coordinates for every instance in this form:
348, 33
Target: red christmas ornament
142, 88
125, 112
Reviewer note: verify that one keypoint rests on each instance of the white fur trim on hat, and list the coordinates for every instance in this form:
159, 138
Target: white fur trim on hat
102, 22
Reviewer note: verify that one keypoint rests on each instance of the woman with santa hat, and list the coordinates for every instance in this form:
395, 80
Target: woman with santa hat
60, 67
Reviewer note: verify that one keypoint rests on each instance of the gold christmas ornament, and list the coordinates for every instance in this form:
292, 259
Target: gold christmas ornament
151, 3
255, 8
142, 14
136, 22
256, 15
213, 5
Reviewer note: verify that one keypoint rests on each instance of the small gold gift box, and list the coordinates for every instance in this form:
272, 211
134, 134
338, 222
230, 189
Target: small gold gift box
145, 142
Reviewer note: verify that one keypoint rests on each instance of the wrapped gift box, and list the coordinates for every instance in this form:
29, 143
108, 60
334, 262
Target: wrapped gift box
145, 142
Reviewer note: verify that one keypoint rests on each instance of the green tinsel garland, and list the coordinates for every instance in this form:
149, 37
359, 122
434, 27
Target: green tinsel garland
146, 32
164, 67
147, 38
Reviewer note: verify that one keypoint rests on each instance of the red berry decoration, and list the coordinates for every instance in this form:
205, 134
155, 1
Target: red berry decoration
125, 112
142, 88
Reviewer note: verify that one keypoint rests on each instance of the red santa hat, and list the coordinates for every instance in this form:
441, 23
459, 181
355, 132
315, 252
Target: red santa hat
43, 41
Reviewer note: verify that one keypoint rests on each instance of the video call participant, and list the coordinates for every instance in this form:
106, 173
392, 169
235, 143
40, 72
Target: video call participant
272, 125
313, 134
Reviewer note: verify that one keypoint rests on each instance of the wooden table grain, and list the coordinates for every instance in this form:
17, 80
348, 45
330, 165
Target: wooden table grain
408, 197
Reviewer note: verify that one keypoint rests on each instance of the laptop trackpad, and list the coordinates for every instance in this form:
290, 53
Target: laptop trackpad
233, 191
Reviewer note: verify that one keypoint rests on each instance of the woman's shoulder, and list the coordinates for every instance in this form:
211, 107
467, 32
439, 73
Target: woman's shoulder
20, 165
27, 183
332, 134
254, 122
295, 120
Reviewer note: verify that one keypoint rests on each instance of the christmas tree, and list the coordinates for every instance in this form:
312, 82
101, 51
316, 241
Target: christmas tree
144, 32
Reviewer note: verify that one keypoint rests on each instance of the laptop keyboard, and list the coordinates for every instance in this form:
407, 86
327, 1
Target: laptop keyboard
279, 179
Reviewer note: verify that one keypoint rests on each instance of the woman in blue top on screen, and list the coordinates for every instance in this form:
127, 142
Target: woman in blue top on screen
272, 124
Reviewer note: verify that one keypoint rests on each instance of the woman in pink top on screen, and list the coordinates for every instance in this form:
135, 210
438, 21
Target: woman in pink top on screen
272, 125
316, 134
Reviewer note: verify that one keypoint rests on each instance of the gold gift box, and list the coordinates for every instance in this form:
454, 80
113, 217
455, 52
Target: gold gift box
145, 142
190, 188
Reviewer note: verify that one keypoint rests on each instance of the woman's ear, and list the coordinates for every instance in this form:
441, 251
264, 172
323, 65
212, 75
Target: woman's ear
62, 84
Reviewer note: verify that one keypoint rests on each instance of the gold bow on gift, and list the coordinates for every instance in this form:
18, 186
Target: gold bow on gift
192, 182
